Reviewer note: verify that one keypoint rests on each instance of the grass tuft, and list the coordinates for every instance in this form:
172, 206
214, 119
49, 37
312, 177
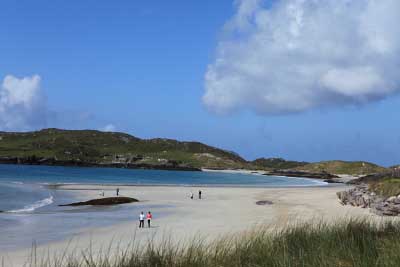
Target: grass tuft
348, 243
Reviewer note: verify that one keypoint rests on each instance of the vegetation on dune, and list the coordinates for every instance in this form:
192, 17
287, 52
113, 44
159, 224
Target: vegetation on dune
106, 147
387, 186
277, 163
343, 167
352, 243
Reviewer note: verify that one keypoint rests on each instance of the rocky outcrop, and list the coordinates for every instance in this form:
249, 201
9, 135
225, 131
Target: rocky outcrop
368, 178
333, 181
361, 197
375, 177
290, 173
103, 202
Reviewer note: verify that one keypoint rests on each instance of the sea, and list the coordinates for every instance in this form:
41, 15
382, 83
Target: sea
29, 211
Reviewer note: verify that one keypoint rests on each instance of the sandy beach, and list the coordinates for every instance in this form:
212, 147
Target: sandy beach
221, 211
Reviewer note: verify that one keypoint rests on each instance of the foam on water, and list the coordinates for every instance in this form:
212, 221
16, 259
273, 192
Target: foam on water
34, 206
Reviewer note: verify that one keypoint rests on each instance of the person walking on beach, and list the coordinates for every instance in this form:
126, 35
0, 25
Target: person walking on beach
199, 194
149, 217
117, 191
141, 220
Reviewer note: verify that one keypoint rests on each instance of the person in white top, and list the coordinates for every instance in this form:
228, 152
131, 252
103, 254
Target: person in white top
141, 220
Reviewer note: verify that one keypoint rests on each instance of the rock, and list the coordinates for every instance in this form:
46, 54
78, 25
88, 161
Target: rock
333, 181
291, 173
361, 197
264, 202
103, 201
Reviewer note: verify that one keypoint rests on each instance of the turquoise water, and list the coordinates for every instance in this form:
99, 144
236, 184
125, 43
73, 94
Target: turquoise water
25, 184
31, 212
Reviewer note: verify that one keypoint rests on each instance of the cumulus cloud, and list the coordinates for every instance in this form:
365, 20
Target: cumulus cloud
109, 128
297, 55
22, 103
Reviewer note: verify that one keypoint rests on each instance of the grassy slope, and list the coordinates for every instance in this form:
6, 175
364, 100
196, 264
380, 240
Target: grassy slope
345, 244
101, 147
277, 163
343, 167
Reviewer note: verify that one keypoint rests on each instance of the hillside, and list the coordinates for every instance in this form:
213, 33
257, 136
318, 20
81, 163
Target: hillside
277, 163
90, 147
343, 167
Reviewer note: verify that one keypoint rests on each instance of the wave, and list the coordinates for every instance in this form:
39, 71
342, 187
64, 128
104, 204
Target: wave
34, 206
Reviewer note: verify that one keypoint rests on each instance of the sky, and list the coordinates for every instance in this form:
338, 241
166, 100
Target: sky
303, 80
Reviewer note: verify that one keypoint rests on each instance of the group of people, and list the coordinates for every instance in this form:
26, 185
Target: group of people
191, 195
149, 217
116, 192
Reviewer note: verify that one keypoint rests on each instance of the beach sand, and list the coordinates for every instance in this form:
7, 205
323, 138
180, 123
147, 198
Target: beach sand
221, 211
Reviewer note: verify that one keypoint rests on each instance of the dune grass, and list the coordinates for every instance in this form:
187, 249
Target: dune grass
350, 243
387, 186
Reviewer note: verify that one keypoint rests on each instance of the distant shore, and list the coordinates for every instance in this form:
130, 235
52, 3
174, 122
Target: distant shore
344, 178
75, 163
243, 171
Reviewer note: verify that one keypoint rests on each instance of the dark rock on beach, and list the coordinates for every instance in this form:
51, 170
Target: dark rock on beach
104, 201
290, 173
332, 181
264, 202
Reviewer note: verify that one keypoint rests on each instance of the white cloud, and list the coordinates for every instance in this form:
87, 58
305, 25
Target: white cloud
109, 128
304, 54
22, 104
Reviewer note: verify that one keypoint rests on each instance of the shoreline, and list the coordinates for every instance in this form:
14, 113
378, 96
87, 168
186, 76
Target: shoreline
219, 213
241, 171
318, 182
80, 164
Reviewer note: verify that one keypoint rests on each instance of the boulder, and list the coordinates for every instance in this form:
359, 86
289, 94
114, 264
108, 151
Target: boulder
103, 202
391, 199
264, 202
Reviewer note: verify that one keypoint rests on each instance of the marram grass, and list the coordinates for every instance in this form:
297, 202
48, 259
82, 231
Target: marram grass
348, 243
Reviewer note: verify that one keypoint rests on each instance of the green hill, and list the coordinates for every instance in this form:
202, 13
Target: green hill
277, 163
96, 147
343, 167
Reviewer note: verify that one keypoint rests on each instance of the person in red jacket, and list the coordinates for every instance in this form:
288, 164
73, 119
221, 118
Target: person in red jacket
149, 218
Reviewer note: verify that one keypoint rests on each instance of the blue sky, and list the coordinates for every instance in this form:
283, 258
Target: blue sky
140, 66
